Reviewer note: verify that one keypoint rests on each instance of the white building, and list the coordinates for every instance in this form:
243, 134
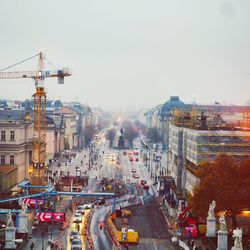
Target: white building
189, 147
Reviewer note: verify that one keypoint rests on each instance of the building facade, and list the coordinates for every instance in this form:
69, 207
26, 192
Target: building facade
188, 147
16, 131
55, 132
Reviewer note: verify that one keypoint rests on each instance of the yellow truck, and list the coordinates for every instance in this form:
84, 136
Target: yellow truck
130, 237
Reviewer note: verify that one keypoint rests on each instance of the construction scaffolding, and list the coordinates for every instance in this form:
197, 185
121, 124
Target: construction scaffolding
208, 135
197, 119
207, 146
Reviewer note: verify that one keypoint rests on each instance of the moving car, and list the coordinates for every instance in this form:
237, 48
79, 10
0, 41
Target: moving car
76, 245
136, 175
131, 158
80, 209
100, 201
74, 235
133, 170
77, 218
136, 159
87, 205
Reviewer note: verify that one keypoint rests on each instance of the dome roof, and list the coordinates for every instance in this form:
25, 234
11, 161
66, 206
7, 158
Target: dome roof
174, 102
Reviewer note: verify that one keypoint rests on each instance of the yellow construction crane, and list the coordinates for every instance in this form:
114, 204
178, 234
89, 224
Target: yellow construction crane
39, 115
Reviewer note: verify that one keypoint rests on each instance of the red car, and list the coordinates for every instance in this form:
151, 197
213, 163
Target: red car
131, 158
136, 159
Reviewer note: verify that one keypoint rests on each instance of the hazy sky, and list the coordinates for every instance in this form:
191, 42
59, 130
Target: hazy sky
131, 52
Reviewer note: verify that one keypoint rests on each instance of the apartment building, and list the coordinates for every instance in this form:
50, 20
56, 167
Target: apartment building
15, 147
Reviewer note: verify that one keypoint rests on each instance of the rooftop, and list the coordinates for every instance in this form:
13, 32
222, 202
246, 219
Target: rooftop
5, 169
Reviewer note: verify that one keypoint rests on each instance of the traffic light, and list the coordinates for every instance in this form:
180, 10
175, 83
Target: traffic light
41, 165
35, 165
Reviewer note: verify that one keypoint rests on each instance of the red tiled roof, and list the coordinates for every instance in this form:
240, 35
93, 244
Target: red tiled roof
7, 169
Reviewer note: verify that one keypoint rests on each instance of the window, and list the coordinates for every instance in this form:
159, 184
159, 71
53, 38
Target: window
2, 159
3, 135
12, 135
12, 159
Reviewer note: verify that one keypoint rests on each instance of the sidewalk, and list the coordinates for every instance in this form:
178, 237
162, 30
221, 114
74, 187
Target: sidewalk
36, 246
183, 241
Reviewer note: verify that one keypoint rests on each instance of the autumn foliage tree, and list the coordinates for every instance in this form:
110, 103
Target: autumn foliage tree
227, 182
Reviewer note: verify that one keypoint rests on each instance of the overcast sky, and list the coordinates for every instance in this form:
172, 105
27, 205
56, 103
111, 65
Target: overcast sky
127, 53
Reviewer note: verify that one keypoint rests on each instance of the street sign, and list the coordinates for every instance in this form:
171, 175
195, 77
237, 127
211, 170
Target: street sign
44, 216
32, 202
49, 216
59, 217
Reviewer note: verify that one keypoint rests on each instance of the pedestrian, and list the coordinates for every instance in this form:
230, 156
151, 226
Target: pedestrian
32, 245
192, 244
126, 246
189, 233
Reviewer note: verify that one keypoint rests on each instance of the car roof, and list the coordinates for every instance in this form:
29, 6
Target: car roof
76, 241
74, 231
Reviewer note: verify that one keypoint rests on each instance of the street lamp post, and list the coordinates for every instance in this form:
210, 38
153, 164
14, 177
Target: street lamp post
52, 223
42, 239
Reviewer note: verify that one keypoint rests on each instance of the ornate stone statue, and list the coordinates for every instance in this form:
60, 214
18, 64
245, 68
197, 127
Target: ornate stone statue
223, 225
23, 206
211, 210
237, 235
10, 222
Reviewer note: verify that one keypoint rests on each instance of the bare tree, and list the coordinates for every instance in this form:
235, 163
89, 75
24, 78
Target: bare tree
130, 132
110, 135
88, 133
153, 135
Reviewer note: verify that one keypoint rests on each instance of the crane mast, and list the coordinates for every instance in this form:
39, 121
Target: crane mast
39, 113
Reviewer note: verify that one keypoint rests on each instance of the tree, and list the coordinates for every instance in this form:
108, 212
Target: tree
153, 135
226, 181
129, 132
110, 135
102, 124
88, 134
140, 126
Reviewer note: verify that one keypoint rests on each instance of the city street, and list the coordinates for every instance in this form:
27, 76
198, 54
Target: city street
147, 218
